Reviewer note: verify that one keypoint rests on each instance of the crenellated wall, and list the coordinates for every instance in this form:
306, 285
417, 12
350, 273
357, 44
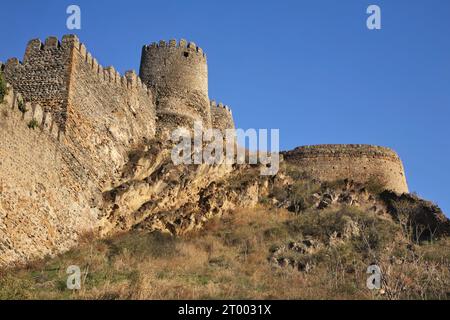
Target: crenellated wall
108, 116
43, 75
178, 74
103, 115
46, 199
361, 163
181, 65
67, 132
221, 116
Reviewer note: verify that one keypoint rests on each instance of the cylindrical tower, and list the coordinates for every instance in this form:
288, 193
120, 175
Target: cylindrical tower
361, 163
178, 74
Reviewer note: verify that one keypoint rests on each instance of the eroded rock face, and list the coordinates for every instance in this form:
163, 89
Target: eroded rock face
159, 195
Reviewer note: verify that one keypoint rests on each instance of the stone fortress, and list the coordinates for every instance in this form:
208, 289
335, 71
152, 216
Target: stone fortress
79, 95
70, 126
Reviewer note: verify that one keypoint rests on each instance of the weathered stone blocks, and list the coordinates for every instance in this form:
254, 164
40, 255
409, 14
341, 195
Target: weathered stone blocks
360, 163
178, 75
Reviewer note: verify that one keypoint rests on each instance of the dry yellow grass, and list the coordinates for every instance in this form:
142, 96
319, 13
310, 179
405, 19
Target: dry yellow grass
227, 260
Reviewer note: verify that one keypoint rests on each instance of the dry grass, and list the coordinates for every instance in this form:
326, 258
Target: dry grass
227, 260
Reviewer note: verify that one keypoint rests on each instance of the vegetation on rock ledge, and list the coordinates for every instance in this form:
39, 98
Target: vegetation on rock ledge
3, 88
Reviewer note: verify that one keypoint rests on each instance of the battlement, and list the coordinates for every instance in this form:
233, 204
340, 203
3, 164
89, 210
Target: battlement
94, 107
37, 50
43, 75
221, 116
46, 74
50, 43
109, 74
63, 77
340, 150
361, 163
171, 45
31, 115
178, 66
177, 72
213, 104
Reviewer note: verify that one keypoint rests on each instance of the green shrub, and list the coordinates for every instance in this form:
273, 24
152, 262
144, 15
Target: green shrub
3, 88
33, 124
22, 107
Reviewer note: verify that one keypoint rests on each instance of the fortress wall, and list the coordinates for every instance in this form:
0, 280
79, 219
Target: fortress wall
361, 163
108, 116
103, 114
221, 116
178, 75
45, 200
43, 75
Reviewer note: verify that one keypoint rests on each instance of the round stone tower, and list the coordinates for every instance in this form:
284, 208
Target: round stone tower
360, 163
178, 75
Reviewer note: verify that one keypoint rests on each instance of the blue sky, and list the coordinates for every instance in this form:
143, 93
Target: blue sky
310, 68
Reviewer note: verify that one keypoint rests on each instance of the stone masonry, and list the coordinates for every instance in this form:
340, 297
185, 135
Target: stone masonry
76, 134
178, 74
360, 163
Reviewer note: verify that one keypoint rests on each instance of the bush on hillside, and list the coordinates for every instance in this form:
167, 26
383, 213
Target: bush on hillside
3, 88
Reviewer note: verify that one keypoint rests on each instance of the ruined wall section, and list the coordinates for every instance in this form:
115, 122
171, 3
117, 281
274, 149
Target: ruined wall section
178, 75
42, 77
361, 163
109, 115
45, 198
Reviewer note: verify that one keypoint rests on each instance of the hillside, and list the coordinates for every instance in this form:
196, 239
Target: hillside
302, 241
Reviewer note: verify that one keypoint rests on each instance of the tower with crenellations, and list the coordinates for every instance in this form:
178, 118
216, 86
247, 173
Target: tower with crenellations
177, 72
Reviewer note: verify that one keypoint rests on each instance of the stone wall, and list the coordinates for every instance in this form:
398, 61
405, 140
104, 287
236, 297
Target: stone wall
57, 159
178, 75
104, 115
42, 77
45, 197
109, 115
221, 117
361, 163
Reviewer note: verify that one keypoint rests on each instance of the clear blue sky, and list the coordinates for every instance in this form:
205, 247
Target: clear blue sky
310, 68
